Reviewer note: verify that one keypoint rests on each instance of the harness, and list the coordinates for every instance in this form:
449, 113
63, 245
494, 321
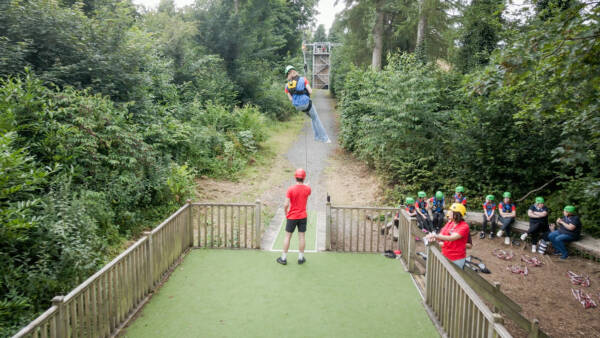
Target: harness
422, 205
437, 205
300, 94
459, 198
507, 207
410, 208
489, 207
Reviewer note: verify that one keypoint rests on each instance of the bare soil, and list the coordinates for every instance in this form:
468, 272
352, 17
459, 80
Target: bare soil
545, 293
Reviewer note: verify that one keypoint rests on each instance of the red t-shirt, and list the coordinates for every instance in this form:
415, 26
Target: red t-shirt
298, 195
456, 249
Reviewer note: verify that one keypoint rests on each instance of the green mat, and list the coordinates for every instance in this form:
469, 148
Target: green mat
311, 234
245, 293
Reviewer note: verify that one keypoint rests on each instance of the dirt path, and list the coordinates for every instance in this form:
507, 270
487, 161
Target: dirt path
329, 169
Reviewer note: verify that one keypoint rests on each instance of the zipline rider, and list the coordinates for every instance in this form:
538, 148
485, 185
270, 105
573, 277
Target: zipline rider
299, 91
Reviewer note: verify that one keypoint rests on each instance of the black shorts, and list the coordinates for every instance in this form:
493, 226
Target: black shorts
293, 223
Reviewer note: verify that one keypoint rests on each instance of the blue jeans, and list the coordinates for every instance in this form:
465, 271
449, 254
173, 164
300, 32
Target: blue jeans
319, 131
558, 242
460, 262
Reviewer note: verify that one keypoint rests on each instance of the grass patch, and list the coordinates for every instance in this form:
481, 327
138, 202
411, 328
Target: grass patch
245, 293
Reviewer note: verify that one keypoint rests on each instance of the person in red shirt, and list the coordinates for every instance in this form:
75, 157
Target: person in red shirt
295, 211
454, 236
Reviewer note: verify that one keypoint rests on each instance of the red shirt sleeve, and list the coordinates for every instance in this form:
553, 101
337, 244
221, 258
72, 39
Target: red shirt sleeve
493, 207
309, 190
306, 82
514, 207
288, 193
463, 230
286, 90
464, 201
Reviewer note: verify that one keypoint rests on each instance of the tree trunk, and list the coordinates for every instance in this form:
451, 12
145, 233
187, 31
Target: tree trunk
378, 37
422, 26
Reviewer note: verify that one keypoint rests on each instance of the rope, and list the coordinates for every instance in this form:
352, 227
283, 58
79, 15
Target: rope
305, 152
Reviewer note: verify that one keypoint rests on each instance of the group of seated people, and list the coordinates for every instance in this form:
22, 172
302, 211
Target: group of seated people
540, 232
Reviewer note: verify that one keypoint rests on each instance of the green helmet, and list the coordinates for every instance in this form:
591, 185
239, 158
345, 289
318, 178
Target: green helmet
539, 199
460, 188
506, 195
288, 68
410, 200
489, 197
439, 195
570, 209
422, 194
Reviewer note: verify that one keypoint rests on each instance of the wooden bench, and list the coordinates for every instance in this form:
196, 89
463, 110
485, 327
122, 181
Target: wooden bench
586, 245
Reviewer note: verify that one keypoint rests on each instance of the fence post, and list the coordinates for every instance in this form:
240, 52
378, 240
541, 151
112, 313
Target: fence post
428, 275
150, 258
190, 223
61, 325
257, 225
411, 246
497, 286
535, 329
496, 319
328, 226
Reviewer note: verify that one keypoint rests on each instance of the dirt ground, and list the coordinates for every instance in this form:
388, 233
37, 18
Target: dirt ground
545, 293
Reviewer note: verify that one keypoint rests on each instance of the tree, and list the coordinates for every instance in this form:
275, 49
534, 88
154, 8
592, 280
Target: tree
319, 35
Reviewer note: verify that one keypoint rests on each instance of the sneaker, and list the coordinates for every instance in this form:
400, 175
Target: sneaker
301, 260
492, 235
328, 141
533, 248
482, 235
500, 233
281, 261
523, 236
506, 240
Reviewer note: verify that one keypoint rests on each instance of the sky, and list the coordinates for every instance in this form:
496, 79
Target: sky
326, 8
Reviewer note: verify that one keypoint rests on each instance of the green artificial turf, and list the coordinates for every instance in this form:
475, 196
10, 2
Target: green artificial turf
311, 234
245, 293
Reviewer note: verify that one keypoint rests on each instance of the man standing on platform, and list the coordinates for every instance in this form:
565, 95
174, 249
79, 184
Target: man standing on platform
295, 211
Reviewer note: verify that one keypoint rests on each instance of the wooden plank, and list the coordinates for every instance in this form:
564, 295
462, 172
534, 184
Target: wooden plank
488, 291
212, 226
344, 212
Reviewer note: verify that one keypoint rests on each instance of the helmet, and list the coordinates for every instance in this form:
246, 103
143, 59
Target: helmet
460, 188
300, 173
288, 68
539, 199
506, 195
570, 209
422, 194
457, 207
439, 195
410, 200
489, 197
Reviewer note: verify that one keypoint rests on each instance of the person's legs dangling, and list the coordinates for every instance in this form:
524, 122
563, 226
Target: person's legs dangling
317, 126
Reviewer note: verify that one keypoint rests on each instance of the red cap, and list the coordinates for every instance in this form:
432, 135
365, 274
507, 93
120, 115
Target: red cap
300, 173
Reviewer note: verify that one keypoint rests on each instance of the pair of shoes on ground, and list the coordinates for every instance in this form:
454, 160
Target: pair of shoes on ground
284, 261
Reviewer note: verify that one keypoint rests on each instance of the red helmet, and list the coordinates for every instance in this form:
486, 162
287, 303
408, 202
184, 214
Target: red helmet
300, 173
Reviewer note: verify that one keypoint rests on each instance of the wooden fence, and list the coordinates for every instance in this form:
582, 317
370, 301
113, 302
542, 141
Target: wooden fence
460, 311
105, 302
228, 225
371, 229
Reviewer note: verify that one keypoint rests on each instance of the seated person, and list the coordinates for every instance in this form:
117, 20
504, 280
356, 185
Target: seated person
489, 216
437, 209
569, 230
423, 218
459, 196
538, 223
508, 214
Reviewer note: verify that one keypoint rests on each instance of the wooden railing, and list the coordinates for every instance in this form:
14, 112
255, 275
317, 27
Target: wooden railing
105, 302
370, 229
228, 225
458, 308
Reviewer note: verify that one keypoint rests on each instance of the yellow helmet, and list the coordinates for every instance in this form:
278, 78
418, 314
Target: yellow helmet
458, 207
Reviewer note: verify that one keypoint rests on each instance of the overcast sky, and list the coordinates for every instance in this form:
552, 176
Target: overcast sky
326, 8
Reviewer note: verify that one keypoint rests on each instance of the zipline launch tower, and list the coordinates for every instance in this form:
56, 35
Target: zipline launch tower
319, 54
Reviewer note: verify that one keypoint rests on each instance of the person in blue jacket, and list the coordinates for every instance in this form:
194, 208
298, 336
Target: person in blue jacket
298, 91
